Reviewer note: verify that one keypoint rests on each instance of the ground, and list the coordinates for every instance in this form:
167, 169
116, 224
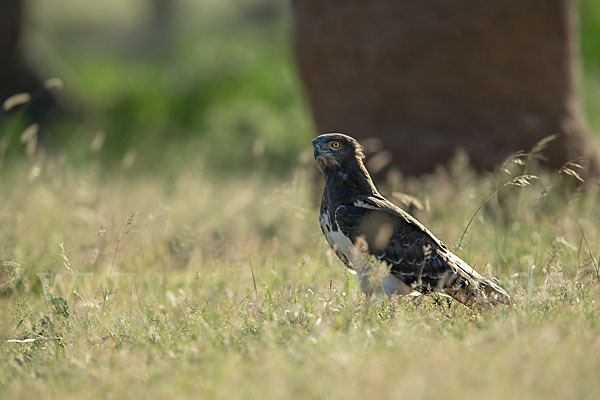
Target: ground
190, 287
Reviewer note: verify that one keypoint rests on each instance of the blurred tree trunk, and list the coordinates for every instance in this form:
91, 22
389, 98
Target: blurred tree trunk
162, 16
429, 77
157, 32
15, 74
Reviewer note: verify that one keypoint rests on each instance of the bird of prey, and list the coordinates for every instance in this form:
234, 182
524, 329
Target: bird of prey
364, 228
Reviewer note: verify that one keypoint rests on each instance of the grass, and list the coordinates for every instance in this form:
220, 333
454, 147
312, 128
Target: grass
168, 246
190, 286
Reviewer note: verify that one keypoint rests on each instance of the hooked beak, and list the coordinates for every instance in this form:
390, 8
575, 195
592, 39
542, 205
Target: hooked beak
317, 151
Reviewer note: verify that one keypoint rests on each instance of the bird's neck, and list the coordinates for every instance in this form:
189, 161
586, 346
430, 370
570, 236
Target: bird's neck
348, 181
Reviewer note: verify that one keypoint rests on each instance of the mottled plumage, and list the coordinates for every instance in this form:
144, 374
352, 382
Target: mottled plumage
361, 226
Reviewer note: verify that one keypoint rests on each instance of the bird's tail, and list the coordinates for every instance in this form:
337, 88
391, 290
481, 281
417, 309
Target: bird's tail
494, 293
482, 292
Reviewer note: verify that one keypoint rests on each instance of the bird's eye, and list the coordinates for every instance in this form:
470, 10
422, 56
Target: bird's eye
335, 144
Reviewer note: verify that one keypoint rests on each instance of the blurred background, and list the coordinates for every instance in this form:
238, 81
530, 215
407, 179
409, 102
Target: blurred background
149, 84
163, 82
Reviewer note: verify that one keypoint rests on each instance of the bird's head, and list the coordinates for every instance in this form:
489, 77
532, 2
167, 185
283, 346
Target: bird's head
333, 150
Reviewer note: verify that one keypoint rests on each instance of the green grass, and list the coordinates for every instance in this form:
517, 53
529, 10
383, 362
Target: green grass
163, 302
589, 20
199, 271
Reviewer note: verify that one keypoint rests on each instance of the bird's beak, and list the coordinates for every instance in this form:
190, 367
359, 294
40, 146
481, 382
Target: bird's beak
317, 151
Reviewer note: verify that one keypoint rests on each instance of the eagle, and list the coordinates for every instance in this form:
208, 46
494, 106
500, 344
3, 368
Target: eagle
365, 230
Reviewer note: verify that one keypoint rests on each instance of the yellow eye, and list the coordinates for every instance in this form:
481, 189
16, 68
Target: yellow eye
335, 144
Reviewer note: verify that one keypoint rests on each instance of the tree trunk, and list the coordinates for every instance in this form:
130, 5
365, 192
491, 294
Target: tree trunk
430, 77
15, 75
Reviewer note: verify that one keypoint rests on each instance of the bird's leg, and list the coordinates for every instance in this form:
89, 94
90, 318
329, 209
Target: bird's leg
365, 280
367, 302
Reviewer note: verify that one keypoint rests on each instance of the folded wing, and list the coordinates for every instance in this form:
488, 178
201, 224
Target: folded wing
414, 254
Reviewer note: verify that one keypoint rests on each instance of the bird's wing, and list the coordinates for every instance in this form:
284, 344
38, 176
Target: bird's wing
414, 254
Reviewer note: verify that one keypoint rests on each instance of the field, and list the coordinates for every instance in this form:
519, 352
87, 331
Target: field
150, 262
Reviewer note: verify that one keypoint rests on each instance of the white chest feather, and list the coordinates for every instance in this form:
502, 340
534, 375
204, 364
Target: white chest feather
345, 249
337, 240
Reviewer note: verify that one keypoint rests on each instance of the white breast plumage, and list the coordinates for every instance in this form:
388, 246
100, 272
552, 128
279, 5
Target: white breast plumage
339, 242
353, 257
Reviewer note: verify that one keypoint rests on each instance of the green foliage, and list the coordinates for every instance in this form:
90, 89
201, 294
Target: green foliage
60, 305
219, 86
589, 20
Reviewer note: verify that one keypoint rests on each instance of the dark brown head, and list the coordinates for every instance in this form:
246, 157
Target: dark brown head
333, 150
